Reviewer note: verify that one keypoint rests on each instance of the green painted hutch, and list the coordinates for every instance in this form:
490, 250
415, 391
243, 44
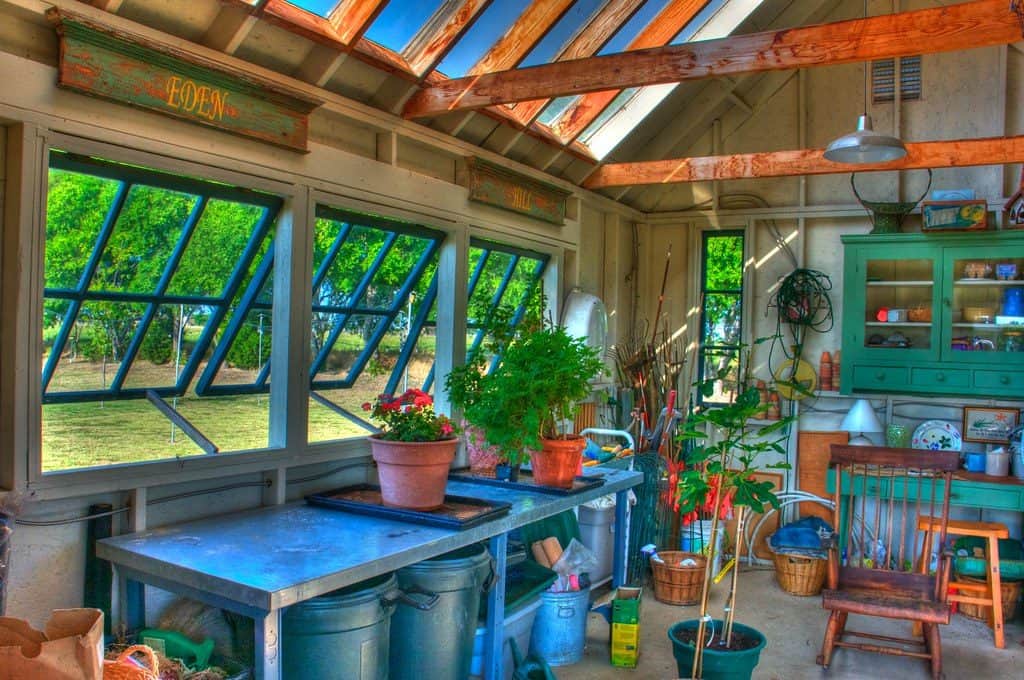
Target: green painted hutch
926, 313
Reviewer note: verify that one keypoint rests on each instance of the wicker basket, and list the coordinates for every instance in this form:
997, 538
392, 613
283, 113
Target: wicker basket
674, 584
919, 314
799, 575
1010, 591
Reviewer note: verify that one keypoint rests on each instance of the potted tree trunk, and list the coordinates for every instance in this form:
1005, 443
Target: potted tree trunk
525, 403
723, 451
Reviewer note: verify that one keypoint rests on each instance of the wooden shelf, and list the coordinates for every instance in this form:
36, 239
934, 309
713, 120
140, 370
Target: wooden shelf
909, 324
986, 282
907, 284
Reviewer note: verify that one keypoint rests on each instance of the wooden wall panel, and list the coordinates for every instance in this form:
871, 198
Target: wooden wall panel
812, 465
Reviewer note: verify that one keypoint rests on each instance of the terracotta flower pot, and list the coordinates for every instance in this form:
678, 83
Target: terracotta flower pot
557, 463
413, 474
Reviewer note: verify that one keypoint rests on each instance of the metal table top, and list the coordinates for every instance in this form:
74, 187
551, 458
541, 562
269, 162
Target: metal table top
275, 556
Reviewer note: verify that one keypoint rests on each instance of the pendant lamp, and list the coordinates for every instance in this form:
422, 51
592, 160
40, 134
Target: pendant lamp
865, 145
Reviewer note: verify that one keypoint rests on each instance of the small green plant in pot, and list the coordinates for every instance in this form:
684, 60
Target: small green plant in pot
724, 448
524, 403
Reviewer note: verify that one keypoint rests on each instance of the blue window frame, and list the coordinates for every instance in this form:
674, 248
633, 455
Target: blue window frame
139, 257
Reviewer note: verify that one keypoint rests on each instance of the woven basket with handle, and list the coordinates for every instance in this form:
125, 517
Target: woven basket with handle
125, 668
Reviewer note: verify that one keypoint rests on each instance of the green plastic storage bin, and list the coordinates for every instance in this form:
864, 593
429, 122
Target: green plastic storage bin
1011, 558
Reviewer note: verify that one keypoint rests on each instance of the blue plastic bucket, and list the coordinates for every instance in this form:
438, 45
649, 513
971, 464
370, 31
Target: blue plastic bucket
560, 629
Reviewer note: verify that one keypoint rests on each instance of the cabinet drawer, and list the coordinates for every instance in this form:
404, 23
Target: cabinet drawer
999, 383
939, 379
993, 496
892, 378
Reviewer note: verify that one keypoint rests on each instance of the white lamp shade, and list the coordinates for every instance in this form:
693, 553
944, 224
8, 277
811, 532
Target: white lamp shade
861, 418
865, 146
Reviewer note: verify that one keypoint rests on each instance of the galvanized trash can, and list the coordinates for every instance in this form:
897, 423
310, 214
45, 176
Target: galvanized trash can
342, 635
560, 629
438, 644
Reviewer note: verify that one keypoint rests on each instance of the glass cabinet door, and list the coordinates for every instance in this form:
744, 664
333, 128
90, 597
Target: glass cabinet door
983, 319
900, 303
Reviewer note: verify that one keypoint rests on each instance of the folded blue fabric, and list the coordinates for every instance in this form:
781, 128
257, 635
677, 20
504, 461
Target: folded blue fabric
802, 537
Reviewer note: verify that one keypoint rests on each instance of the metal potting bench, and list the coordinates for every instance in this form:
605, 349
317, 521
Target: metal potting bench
258, 562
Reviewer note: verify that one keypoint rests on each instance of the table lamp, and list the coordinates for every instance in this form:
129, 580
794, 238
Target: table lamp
861, 418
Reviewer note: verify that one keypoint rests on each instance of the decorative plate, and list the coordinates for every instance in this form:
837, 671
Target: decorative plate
936, 435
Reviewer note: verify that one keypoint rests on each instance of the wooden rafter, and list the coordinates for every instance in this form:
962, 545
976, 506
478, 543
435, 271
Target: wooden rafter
429, 46
938, 154
660, 31
351, 18
527, 30
586, 43
941, 29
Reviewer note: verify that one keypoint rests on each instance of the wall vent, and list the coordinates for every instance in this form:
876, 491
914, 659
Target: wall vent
883, 79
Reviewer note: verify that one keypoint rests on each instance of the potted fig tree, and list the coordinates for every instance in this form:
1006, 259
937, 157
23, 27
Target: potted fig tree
724, 446
525, 403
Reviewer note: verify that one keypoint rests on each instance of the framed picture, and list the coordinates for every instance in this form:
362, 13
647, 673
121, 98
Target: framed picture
983, 424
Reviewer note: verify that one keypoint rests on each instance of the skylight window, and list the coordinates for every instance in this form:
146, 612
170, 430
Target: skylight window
480, 37
632, 28
718, 20
321, 7
565, 30
399, 21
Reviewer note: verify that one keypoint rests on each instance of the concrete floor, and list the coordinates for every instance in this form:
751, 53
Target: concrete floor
794, 628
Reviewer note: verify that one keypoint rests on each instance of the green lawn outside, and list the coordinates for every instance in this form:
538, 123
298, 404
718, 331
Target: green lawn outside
113, 432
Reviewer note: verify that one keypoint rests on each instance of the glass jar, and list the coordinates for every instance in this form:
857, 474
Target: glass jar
1012, 341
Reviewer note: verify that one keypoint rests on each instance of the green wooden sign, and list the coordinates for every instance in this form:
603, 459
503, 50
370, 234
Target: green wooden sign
502, 188
96, 61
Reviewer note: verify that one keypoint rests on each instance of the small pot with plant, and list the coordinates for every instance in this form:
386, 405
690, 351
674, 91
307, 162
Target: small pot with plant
525, 402
723, 451
413, 451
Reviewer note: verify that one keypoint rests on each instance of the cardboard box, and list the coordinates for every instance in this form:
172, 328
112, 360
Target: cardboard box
960, 215
625, 644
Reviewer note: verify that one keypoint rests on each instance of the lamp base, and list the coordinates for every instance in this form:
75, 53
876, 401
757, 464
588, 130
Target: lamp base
860, 440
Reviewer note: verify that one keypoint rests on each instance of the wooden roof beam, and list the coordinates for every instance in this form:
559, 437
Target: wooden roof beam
660, 31
938, 154
524, 34
940, 29
586, 43
351, 18
437, 37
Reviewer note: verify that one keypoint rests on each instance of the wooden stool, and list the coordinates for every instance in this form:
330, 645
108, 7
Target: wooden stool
989, 593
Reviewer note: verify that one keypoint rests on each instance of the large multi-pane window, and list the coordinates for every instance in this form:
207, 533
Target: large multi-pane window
156, 315
374, 290
721, 320
502, 280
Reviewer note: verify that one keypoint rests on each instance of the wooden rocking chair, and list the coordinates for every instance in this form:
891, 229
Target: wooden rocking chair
879, 494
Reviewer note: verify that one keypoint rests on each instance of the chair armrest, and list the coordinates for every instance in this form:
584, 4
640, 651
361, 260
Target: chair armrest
945, 567
831, 544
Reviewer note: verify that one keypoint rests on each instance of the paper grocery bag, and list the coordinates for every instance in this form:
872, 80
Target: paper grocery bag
71, 647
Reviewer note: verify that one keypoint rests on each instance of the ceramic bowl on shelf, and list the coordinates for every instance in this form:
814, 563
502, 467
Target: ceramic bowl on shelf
979, 314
